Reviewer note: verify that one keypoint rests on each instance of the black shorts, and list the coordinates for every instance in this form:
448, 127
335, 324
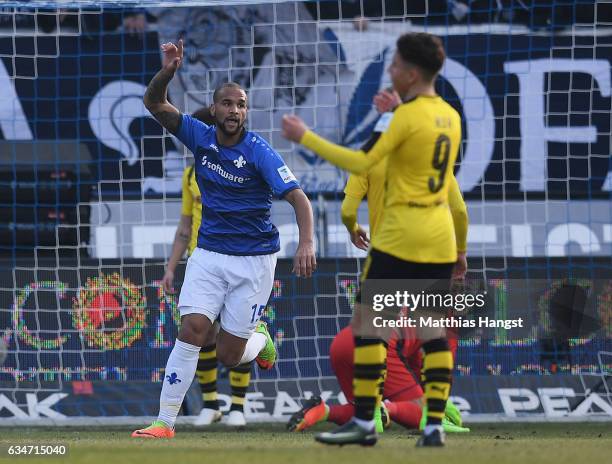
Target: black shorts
380, 265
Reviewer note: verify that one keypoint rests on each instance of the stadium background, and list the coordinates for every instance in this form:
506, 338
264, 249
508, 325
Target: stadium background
90, 190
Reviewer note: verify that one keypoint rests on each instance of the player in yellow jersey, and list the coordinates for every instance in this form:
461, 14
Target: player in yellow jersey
416, 236
371, 185
186, 239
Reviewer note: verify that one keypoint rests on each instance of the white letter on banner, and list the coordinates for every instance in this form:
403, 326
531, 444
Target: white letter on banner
13, 122
461, 404
530, 403
522, 240
36, 408
144, 239
479, 120
534, 133
112, 110
284, 405
563, 234
587, 406
554, 400
5, 403
252, 407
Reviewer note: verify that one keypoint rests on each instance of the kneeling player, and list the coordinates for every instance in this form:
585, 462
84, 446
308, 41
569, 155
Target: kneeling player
402, 391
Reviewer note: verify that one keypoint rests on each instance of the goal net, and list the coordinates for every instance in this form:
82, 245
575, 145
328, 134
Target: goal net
90, 189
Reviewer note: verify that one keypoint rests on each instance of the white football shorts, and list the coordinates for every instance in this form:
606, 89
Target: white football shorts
234, 289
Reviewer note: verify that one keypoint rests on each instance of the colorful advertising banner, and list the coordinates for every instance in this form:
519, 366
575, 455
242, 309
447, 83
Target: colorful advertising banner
103, 327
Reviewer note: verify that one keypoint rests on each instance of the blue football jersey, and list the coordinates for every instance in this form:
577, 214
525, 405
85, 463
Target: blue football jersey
237, 184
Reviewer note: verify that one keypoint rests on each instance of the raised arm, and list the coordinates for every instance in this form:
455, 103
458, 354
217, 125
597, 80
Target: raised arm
156, 95
354, 161
304, 262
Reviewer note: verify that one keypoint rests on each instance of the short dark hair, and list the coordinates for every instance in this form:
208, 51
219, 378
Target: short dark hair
203, 114
225, 85
423, 50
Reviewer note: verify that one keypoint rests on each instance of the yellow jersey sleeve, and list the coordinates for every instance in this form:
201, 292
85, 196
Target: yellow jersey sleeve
356, 188
419, 145
357, 161
348, 212
187, 196
459, 213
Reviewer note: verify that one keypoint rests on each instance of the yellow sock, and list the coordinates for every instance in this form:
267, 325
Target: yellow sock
370, 356
207, 376
240, 377
437, 370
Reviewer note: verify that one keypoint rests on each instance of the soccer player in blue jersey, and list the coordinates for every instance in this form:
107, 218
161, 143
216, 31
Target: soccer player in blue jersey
230, 274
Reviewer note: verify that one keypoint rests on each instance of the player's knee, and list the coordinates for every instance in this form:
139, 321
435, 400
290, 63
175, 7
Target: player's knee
211, 336
194, 329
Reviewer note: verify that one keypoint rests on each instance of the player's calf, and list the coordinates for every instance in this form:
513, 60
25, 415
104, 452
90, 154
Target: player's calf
229, 359
233, 351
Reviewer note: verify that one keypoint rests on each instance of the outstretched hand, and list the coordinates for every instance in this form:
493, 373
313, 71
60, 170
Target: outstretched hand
293, 128
173, 55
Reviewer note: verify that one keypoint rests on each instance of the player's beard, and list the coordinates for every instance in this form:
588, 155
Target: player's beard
221, 125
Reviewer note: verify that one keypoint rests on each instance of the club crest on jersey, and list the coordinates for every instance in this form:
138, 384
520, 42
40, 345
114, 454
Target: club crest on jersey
239, 162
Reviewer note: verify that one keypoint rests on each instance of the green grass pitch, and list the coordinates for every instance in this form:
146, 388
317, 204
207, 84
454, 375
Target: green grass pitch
554, 443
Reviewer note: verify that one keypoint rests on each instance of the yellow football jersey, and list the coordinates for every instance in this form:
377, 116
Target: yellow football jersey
421, 143
372, 185
191, 205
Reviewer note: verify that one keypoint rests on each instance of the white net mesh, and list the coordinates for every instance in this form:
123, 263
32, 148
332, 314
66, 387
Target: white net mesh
92, 184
